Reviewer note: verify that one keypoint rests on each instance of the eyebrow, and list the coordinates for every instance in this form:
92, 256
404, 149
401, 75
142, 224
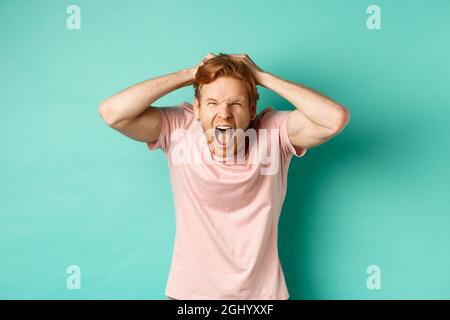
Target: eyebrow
237, 99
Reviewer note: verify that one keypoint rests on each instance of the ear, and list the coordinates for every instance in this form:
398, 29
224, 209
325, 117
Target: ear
253, 113
196, 108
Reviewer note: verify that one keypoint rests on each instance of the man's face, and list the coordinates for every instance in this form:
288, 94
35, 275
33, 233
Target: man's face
223, 108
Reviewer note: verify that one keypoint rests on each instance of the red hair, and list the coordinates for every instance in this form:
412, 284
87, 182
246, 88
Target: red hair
223, 65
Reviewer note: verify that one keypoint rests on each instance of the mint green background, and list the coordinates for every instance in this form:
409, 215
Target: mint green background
74, 191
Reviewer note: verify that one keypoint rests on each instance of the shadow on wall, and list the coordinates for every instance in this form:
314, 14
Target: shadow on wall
297, 236
297, 227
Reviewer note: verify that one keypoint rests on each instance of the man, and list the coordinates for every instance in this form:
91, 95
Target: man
228, 169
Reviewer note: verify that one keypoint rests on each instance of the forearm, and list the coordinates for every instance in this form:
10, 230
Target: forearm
318, 108
132, 101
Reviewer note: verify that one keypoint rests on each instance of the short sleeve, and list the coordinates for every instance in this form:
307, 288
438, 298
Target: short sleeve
271, 118
173, 118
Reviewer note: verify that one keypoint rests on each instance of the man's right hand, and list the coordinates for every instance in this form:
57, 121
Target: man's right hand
195, 68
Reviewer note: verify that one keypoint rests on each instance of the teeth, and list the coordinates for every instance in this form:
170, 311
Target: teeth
223, 127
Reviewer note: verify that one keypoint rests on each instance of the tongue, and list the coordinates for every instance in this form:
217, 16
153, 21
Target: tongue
224, 136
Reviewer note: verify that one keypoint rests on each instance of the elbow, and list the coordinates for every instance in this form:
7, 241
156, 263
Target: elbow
105, 112
342, 120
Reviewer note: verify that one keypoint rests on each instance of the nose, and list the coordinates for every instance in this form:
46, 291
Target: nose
224, 111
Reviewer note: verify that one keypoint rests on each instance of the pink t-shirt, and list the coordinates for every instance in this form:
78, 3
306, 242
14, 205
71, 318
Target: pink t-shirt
226, 213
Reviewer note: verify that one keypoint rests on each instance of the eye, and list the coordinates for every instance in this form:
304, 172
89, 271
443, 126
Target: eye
211, 103
236, 104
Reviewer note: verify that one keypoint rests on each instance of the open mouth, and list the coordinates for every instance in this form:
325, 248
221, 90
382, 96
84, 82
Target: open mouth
223, 134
